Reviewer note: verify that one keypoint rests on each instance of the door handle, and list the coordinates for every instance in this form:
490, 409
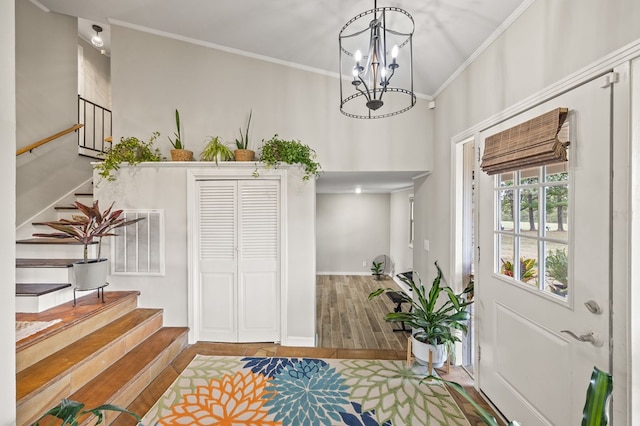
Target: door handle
590, 337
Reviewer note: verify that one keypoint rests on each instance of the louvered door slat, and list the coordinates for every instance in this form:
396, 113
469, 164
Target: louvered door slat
218, 222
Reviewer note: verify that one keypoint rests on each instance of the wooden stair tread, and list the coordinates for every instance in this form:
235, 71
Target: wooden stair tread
69, 207
38, 289
45, 263
83, 194
73, 356
43, 240
58, 222
86, 308
107, 386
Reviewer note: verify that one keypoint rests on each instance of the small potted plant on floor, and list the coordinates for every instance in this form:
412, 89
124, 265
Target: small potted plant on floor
377, 268
178, 153
89, 227
216, 150
243, 153
433, 321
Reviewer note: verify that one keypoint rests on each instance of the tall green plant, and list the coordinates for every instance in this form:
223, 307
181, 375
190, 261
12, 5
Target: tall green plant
434, 320
129, 150
243, 142
276, 151
177, 142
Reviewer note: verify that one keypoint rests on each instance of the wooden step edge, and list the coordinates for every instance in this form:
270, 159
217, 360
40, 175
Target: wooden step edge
81, 361
74, 324
66, 208
121, 383
45, 263
45, 240
83, 194
57, 222
38, 289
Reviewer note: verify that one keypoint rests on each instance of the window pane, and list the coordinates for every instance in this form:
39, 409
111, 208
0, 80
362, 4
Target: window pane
529, 210
506, 210
556, 216
530, 176
505, 251
506, 179
528, 269
556, 278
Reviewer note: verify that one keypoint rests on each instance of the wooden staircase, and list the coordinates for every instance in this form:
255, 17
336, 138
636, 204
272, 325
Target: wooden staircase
99, 353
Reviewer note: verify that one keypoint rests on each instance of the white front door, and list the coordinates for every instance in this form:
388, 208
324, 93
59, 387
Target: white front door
237, 246
544, 255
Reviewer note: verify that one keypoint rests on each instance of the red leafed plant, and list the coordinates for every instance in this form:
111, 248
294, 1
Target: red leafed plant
92, 224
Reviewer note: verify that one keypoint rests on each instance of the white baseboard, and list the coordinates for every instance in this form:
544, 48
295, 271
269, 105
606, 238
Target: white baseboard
298, 341
342, 273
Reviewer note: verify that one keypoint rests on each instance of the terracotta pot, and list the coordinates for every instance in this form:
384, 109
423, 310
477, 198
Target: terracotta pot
421, 352
91, 275
244, 155
181, 155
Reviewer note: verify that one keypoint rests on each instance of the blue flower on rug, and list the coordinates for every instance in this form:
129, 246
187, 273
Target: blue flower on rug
308, 392
271, 367
365, 419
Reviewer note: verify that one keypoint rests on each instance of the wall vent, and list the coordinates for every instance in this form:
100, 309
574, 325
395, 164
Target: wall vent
138, 249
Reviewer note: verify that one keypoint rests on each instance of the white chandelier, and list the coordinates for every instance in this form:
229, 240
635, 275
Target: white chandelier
381, 83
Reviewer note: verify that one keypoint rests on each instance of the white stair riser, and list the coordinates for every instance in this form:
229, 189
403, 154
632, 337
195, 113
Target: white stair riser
55, 251
85, 199
44, 302
43, 275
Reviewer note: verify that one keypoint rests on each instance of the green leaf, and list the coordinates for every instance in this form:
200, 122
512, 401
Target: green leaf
598, 394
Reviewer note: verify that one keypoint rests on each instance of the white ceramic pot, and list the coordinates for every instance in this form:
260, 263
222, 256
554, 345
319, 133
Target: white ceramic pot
91, 275
421, 352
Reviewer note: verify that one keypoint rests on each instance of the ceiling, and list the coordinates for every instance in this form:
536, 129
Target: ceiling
304, 33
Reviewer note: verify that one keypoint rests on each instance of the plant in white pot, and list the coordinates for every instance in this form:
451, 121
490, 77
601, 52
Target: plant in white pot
434, 322
92, 225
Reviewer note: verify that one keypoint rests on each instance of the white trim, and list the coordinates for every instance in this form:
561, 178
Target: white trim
600, 67
40, 6
299, 341
342, 273
485, 45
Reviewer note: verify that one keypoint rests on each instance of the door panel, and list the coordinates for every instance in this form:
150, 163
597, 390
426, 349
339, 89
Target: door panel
533, 371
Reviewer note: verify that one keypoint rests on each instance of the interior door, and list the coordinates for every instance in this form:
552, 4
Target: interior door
552, 224
237, 233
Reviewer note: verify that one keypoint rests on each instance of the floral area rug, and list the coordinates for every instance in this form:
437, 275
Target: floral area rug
302, 391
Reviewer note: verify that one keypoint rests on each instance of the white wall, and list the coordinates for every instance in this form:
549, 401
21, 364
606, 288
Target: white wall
400, 251
550, 41
7, 227
46, 103
214, 91
164, 186
96, 75
351, 229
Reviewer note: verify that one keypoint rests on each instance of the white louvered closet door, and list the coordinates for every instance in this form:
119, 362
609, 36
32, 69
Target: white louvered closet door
258, 271
237, 233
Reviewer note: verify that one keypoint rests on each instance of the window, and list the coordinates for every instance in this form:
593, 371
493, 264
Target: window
411, 223
532, 230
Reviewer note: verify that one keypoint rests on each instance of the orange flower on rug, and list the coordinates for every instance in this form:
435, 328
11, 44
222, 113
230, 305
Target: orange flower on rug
233, 400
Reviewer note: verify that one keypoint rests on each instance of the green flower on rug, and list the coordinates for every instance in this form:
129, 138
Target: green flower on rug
392, 391
307, 392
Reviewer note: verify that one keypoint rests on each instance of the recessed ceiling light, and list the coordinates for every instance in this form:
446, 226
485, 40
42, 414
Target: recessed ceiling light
358, 190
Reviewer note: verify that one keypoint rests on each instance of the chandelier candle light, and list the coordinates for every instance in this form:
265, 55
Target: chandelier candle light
385, 34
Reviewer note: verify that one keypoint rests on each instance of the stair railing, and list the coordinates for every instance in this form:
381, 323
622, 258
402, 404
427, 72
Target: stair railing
97, 126
48, 139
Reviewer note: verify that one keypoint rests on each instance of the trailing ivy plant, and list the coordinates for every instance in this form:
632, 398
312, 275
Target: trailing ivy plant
129, 150
276, 151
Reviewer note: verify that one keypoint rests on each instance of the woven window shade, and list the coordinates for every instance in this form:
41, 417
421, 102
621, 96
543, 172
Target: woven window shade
530, 144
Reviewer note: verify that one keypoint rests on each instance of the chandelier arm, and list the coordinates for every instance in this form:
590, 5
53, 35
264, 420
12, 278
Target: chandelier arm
365, 92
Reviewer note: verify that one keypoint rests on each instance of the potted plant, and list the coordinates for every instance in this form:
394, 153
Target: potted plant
243, 153
216, 150
178, 153
92, 225
377, 268
71, 411
129, 150
433, 321
276, 151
